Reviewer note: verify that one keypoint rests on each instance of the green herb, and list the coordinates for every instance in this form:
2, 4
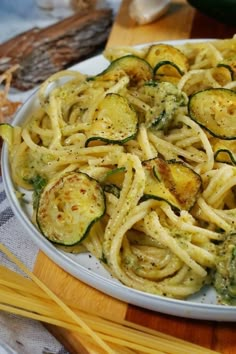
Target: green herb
38, 183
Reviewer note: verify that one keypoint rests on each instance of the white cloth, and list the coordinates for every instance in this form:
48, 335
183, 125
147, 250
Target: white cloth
24, 336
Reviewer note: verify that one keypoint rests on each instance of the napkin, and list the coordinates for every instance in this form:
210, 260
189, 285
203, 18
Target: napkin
25, 336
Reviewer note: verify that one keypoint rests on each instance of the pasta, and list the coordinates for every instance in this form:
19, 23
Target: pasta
149, 136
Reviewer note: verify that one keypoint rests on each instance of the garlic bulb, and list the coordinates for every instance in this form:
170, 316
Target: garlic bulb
144, 11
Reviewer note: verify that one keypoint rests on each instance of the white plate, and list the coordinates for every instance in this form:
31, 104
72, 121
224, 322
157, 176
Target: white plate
202, 305
5, 349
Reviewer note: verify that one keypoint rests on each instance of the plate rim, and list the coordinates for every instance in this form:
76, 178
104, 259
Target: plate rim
176, 307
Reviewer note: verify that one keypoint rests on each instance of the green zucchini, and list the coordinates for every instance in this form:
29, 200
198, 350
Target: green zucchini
171, 181
222, 74
166, 68
215, 110
225, 151
187, 183
138, 70
115, 121
6, 132
230, 64
68, 206
167, 60
226, 156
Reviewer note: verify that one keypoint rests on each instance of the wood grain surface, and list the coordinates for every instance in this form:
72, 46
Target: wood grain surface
181, 22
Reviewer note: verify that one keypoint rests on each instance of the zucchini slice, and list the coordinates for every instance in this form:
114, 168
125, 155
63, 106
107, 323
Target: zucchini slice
171, 181
154, 187
68, 206
115, 121
225, 151
6, 132
167, 60
222, 74
226, 156
230, 64
187, 183
138, 70
215, 110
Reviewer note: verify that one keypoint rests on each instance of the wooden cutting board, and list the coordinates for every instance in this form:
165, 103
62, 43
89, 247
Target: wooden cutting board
181, 21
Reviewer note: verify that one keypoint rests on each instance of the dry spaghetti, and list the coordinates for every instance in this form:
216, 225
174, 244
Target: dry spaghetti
31, 298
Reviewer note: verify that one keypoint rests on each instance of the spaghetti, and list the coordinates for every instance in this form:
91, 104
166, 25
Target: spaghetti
31, 298
170, 203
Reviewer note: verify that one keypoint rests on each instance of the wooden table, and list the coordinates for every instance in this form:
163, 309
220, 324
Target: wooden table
181, 21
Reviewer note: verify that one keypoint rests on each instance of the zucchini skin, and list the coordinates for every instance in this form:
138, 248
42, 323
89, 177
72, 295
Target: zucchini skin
167, 62
68, 207
230, 155
228, 67
168, 58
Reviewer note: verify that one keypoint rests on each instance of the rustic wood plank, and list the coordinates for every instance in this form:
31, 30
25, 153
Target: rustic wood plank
76, 293
43, 52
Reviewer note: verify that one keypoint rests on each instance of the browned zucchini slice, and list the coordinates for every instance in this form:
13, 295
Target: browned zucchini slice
225, 151
138, 69
115, 121
171, 181
167, 60
215, 110
230, 64
68, 206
